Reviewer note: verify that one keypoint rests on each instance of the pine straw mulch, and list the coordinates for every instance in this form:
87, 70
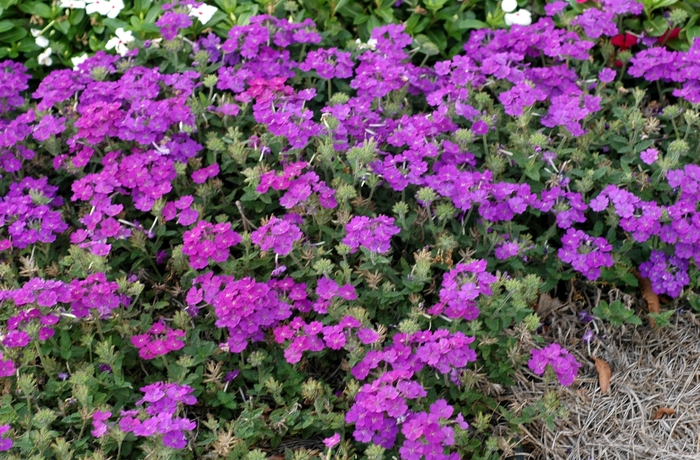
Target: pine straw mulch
652, 368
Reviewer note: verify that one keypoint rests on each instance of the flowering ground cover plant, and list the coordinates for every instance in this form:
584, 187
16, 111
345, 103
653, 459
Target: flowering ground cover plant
265, 245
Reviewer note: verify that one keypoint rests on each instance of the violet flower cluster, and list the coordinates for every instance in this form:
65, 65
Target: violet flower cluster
278, 235
562, 362
461, 286
159, 340
163, 402
7, 367
209, 241
373, 234
28, 214
5, 443
381, 406
585, 253
245, 307
668, 274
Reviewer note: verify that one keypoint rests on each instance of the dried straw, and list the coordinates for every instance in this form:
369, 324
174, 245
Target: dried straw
651, 368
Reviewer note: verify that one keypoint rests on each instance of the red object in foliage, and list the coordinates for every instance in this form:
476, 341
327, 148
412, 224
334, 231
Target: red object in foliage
669, 35
624, 41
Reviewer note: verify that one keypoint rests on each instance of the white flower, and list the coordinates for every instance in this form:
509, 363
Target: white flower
72, 4
119, 42
371, 44
39, 39
520, 17
45, 57
115, 6
98, 6
78, 60
509, 5
203, 13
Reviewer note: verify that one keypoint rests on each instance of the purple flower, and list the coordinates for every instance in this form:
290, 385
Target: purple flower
5, 443
278, 235
554, 8
564, 364
649, 156
231, 375
607, 75
373, 234
332, 441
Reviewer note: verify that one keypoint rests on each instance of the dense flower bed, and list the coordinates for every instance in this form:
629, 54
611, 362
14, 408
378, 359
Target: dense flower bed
211, 247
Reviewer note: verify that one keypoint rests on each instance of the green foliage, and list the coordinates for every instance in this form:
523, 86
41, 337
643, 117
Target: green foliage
617, 313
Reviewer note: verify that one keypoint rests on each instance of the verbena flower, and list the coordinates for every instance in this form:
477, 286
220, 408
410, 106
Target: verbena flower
562, 362
373, 234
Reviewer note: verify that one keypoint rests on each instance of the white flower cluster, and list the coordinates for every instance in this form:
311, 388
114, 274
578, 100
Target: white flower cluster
522, 17
109, 8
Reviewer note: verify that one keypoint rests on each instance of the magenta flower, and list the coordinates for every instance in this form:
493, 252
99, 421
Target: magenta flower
98, 423
5, 443
564, 364
649, 156
373, 234
278, 235
332, 441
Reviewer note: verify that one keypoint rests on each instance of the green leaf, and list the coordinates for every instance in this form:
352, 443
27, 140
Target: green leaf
141, 6
63, 27
656, 27
693, 32
6, 25
13, 36
372, 23
340, 4
360, 19
115, 24
467, 24
386, 14
437, 37
36, 8
662, 3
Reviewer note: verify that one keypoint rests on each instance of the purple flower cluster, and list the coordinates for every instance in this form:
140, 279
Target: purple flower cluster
585, 253
27, 213
668, 274
99, 427
564, 364
328, 63
327, 289
5, 443
172, 21
13, 80
299, 187
180, 208
460, 288
209, 241
201, 175
313, 336
245, 307
159, 416
427, 433
7, 367
278, 235
94, 292
382, 405
373, 234
159, 340
16, 337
